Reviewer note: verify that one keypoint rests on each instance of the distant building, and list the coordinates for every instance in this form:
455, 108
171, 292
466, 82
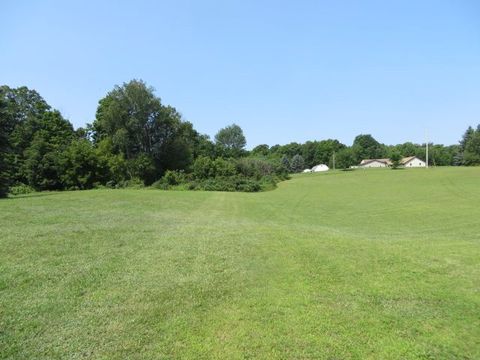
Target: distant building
317, 168
412, 161
320, 168
375, 163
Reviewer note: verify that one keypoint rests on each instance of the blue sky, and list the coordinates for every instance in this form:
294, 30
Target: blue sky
283, 70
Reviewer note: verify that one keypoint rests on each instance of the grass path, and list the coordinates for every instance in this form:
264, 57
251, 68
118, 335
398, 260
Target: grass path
365, 264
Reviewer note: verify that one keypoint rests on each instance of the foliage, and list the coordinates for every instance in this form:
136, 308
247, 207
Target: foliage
231, 141
4, 148
151, 137
21, 189
471, 147
260, 150
345, 158
395, 157
466, 138
80, 166
297, 164
285, 161
42, 158
245, 174
255, 168
366, 147
133, 183
171, 179
205, 168
134, 137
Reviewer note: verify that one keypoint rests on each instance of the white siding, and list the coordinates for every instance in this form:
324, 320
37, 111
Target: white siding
375, 164
416, 162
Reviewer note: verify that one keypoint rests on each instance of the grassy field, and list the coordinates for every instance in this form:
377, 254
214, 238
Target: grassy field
376, 264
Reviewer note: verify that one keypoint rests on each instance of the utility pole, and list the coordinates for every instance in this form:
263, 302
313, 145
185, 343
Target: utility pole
334, 160
426, 147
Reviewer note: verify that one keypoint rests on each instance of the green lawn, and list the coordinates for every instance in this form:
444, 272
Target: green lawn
376, 264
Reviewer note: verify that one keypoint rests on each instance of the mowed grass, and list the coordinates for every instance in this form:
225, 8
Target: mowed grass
375, 264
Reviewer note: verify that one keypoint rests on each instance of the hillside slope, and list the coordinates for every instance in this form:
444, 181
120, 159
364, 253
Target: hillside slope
365, 264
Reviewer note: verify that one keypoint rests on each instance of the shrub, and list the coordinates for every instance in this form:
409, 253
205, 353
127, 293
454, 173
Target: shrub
134, 183
248, 185
206, 168
203, 168
21, 189
218, 185
223, 168
174, 177
161, 185
246, 175
255, 168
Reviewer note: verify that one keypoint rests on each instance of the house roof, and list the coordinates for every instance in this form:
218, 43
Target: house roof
406, 160
369, 161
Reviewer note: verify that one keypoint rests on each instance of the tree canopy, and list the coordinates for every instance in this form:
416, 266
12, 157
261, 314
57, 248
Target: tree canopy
150, 136
4, 147
366, 147
231, 140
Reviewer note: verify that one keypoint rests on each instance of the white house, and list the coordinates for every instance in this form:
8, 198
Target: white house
320, 168
375, 163
412, 161
407, 162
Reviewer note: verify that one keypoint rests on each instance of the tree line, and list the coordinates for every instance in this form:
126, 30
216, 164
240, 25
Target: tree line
136, 140
333, 153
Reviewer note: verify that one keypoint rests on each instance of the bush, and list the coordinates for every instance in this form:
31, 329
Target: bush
134, 183
223, 168
174, 177
203, 168
254, 168
246, 175
218, 185
21, 189
161, 185
248, 185
206, 168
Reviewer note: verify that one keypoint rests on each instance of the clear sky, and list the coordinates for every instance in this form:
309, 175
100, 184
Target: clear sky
282, 70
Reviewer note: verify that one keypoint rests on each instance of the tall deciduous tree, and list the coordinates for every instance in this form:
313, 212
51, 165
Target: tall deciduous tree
79, 164
139, 126
260, 150
22, 113
231, 140
4, 148
345, 158
366, 147
41, 167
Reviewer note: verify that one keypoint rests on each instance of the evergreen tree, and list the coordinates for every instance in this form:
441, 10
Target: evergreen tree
466, 138
297, 164
285, 162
